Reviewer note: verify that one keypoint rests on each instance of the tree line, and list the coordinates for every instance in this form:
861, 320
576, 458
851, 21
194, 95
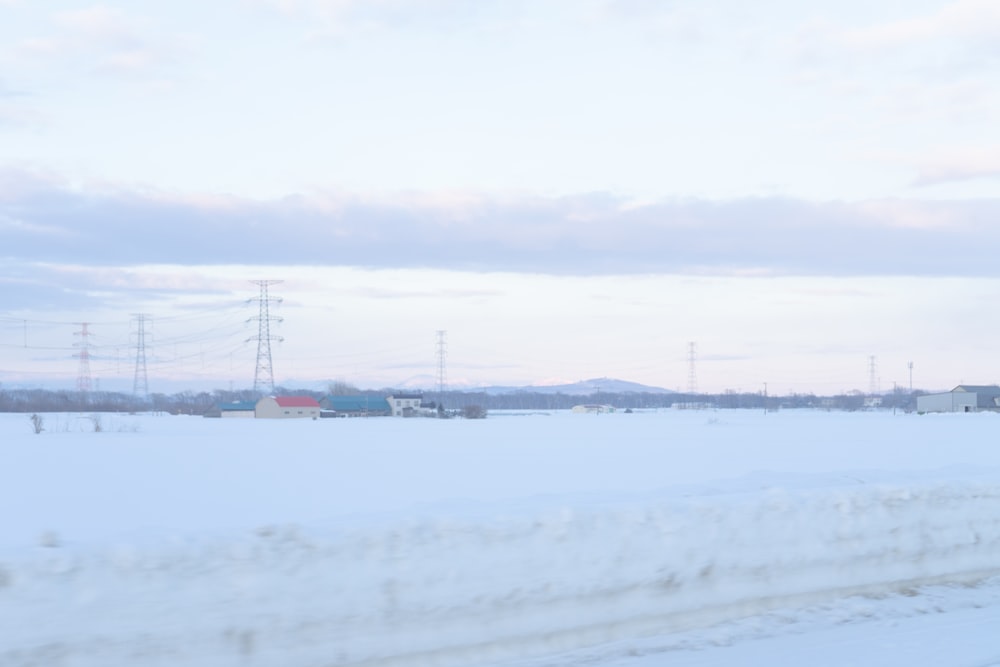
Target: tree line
201, 403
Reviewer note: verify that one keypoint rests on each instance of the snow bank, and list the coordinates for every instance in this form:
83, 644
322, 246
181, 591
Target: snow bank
444, 581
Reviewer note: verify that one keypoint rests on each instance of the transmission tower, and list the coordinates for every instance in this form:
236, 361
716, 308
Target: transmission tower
872, 377
442, 353
264, 373
83, 374
692, 375
140, 386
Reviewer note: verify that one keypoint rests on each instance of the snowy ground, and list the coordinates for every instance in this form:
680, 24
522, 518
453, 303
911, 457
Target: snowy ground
673, 538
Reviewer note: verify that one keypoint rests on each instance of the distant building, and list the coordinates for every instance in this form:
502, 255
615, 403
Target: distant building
405, 405
239, 409
963, 398
593, 409
355, 406
287, 407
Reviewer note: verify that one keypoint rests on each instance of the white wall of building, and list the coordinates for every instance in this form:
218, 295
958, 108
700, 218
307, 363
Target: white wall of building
952, 401
399, 404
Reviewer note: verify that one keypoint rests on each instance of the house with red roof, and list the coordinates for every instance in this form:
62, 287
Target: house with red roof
287, 407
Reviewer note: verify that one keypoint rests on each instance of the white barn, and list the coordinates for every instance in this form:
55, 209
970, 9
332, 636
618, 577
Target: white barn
963, 398
287, 407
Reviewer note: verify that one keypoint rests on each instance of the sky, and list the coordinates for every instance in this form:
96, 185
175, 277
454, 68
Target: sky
808, 192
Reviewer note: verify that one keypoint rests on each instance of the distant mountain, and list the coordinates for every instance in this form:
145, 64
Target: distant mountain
583, 388
428, 383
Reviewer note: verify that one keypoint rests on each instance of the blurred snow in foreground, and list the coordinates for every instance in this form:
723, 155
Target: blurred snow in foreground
680, 538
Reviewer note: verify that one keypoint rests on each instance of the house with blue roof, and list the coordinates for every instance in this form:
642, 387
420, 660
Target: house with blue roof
355, 406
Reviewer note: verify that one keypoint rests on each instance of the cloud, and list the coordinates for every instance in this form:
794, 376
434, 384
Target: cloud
14, 111
965, 19
105, 40
961, 164
50, 222
962, 21
337, 16
20, 115
66, 286
958, 42
29, 286
99, 22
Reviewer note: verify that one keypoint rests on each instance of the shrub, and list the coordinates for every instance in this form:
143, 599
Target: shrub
474, 412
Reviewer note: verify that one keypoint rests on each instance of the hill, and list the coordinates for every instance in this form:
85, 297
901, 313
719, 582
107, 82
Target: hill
582, 388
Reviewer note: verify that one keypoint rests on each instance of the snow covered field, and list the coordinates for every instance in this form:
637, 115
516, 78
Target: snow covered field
669, 538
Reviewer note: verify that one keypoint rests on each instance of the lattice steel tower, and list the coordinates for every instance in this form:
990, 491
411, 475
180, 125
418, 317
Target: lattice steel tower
83, 374
264, 373
442, 353
872, 377
140, 385
692, 376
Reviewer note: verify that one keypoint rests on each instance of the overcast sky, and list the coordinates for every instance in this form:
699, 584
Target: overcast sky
571, 189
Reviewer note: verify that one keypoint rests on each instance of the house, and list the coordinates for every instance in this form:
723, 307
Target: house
355, 406
405, 405
287, 407
963, 398
240, 409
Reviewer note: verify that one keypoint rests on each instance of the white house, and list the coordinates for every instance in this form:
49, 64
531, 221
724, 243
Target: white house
405, 405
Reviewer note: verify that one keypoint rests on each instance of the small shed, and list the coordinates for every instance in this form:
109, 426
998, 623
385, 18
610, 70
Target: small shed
963, 398
287, 407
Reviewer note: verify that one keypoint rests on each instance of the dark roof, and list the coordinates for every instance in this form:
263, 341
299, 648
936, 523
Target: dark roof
408, 395
989, 389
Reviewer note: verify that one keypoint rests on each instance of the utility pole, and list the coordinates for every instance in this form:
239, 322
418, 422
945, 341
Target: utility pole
263, 374
140, 385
